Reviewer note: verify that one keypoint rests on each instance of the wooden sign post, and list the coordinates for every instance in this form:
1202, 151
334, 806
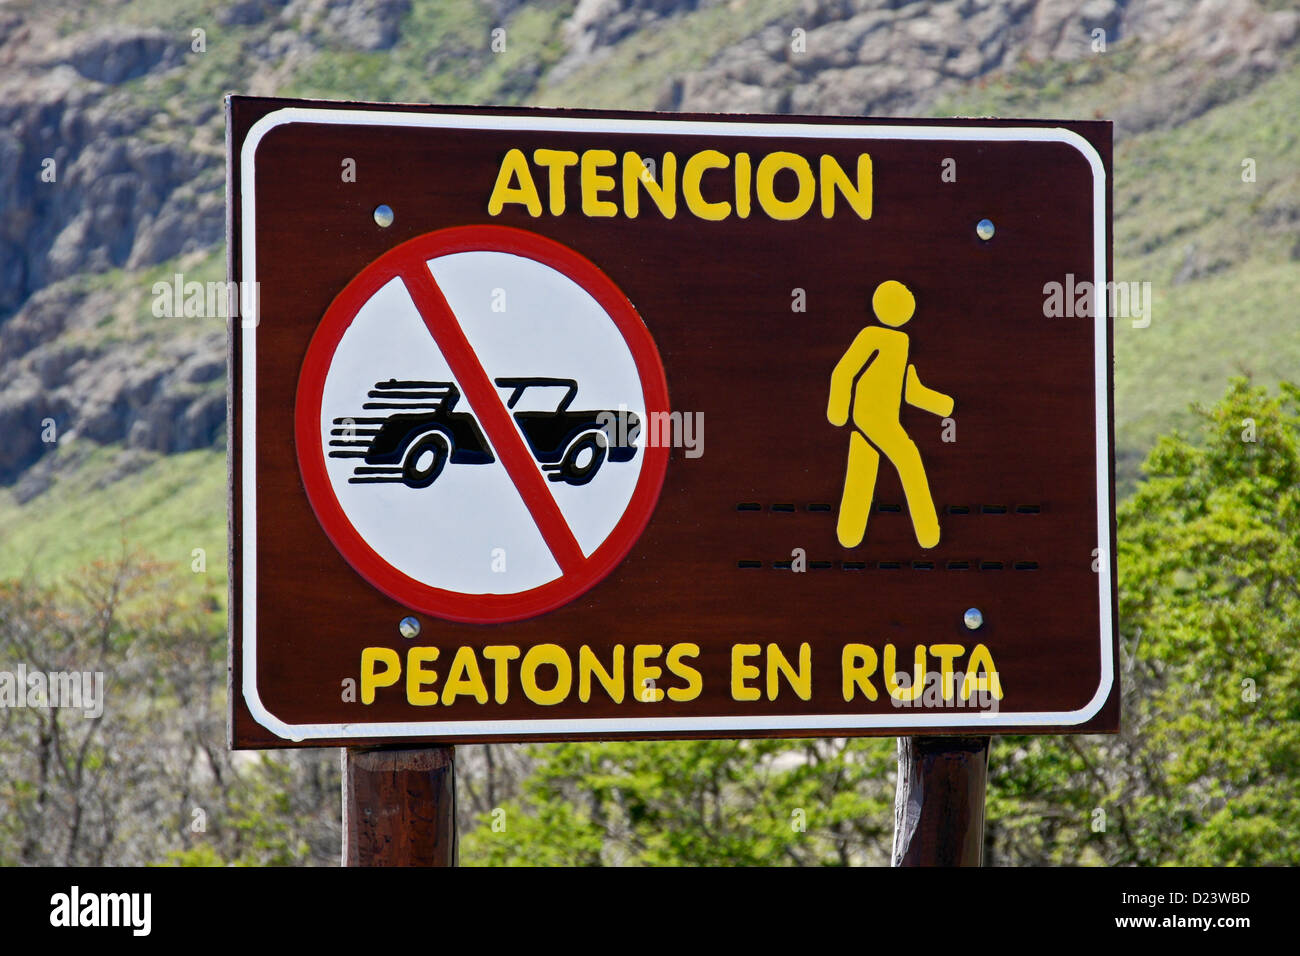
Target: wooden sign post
939, 807
575, 425
399, 807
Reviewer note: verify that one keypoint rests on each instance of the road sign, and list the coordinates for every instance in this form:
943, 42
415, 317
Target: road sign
459, 314
556, 424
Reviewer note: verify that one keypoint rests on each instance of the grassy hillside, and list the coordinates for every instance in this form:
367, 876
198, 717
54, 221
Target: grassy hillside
1220, 254
170, 507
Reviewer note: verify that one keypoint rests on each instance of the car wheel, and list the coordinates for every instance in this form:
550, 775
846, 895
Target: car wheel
425, 460
583, 458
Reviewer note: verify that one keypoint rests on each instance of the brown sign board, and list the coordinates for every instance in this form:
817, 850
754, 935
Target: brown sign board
577, 425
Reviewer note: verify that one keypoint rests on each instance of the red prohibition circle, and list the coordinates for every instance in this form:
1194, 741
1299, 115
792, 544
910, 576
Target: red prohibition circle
417, 595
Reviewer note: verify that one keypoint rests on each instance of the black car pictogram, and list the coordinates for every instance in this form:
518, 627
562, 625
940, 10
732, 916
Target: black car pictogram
421, 432
572, 445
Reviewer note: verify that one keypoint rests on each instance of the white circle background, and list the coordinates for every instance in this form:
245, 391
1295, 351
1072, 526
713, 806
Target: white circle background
447, 535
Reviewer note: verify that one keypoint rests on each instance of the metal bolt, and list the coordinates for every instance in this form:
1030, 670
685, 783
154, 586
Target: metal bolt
984, 229
384, 216
410, 627
973, 619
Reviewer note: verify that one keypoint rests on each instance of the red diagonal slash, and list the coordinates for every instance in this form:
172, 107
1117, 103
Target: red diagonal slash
496, 421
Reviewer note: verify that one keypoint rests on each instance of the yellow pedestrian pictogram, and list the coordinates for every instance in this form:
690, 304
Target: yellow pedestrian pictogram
875, 377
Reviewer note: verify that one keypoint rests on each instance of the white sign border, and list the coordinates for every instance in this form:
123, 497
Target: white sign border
618, 725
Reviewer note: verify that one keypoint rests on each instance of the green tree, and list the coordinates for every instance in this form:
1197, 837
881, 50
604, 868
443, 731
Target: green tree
148, 778
712, 802
1208, 570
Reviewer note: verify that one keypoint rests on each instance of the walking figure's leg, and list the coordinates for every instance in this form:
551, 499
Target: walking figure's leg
859, 489
902, 451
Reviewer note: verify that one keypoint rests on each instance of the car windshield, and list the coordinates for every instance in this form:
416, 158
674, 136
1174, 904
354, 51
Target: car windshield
537, 398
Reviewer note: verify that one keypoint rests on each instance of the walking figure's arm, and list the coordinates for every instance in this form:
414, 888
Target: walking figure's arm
847, 369
917, 395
